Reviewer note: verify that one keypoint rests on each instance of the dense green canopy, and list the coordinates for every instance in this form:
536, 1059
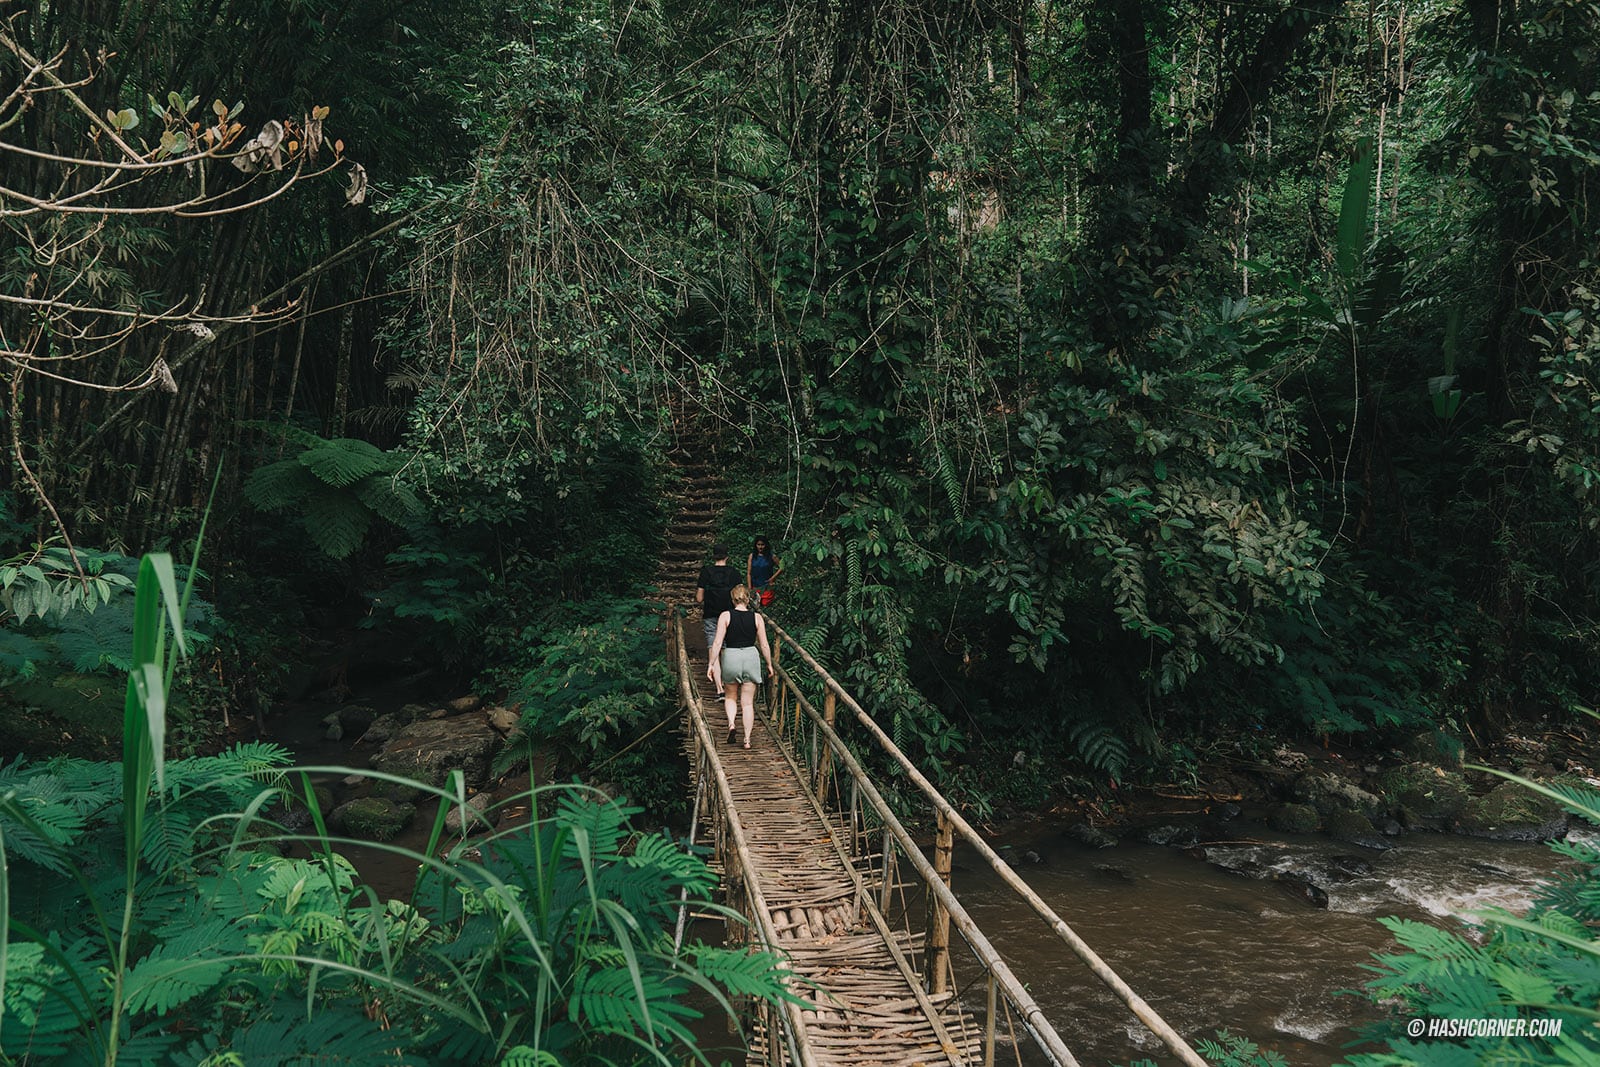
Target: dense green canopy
1167, 371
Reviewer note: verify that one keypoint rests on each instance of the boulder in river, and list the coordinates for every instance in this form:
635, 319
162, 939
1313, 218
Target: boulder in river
1174, 836
1350, 866
1092, 836
472, 813
355, 718
1425, 795
1294, 818
1511, 812
1349, 826
372, 818
1329, 793
1298, 885
428, 751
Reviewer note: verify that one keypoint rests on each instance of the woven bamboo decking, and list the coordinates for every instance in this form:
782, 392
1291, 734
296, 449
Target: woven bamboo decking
867, 1009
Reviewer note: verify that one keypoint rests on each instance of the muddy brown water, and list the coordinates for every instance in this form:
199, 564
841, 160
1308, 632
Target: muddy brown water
1210, 949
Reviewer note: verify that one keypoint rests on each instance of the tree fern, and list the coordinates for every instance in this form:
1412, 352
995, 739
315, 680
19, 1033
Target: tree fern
336, 488
280, 486
336, 520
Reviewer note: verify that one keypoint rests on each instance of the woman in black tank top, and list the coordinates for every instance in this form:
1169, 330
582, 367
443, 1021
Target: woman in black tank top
735, 667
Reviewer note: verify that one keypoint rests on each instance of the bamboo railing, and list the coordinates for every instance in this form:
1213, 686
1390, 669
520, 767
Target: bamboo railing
845, 795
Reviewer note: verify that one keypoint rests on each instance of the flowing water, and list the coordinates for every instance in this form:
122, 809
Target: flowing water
1210, 948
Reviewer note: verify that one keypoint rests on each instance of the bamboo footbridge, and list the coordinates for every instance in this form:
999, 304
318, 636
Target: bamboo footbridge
892, 970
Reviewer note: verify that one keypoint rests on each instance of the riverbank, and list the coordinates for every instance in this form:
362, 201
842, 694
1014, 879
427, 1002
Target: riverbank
1362, 797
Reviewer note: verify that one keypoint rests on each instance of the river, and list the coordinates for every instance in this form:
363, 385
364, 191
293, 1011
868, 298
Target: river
1212, 949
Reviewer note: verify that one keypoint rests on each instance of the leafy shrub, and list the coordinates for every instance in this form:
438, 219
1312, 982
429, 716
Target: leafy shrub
65, 639
596, 693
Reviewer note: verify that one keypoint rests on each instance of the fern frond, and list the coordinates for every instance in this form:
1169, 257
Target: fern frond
171, 975
344, 461
390, 499
335, 521
1100, 747
279, 485
339, 1032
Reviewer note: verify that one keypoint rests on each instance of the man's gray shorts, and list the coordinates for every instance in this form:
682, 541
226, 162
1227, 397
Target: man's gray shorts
711, 633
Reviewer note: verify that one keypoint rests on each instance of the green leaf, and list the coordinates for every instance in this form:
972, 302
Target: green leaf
1354, 209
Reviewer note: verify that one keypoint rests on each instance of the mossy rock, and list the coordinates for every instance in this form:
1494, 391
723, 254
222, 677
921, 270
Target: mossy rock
1426, 794
1329, 793
1435, 747
355, 718
1349, 826
1512, 812
1294, 818
373, 818
400, 794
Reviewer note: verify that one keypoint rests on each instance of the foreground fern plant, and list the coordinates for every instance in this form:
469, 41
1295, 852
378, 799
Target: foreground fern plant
1544, 965
154, 915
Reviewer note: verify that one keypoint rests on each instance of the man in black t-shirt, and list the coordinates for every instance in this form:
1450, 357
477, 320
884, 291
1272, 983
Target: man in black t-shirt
711, 591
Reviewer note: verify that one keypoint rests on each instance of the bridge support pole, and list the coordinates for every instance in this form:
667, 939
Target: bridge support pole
937, 970
775, 691
830, 712
988, 1025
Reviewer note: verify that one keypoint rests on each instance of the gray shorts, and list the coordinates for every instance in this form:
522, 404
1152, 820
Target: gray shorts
741, 665
711, 633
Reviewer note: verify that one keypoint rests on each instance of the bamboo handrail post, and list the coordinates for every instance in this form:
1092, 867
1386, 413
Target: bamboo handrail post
939, 935
683, 897
886, 893
988, 1025
814, 749
855, 808
830, 710
775, 703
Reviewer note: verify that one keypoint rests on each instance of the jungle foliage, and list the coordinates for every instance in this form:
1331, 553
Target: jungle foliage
1181, 373
1112, 358
151, 912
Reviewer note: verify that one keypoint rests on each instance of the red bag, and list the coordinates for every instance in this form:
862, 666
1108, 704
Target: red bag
766, 598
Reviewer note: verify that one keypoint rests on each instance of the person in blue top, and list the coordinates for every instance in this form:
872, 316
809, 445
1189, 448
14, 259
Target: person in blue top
761, 570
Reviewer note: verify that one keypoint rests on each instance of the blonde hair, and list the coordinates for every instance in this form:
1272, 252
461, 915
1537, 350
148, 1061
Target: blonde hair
739, 594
